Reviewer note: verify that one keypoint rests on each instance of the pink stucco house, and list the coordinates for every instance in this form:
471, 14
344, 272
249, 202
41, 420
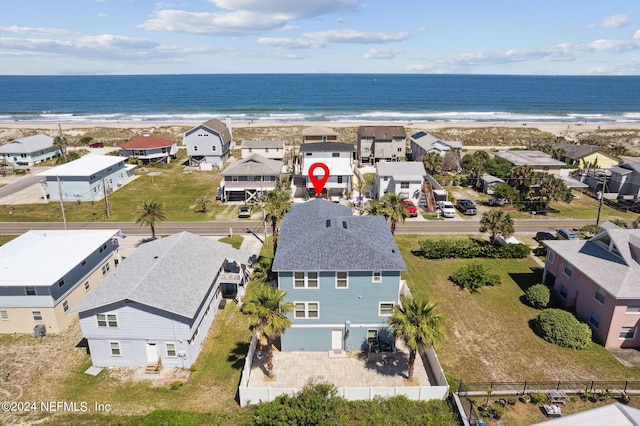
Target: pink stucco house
600, 279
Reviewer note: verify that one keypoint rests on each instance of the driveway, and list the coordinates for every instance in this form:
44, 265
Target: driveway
23, 189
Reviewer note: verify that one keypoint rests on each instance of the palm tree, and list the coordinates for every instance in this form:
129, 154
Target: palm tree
433, 162
202, 202
276, 203
523, 176
394, 209
375, 208
497, 222
415, 322
268, 316
150, 212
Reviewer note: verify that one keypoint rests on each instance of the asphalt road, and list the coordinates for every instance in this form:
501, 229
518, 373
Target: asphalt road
22, 183
241, 227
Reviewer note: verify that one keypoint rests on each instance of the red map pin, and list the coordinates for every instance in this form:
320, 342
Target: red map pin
318, 183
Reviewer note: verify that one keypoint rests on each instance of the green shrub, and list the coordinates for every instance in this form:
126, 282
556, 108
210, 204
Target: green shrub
538, 397
538, 296
176, 385
563, 329
474, 276
470, 248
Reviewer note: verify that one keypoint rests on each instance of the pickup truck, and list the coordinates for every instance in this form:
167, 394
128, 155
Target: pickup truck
466, 207
447, 209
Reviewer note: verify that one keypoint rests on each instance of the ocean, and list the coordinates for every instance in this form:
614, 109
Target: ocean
398, 98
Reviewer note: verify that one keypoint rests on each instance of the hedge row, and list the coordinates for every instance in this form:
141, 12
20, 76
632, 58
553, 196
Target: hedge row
471, 248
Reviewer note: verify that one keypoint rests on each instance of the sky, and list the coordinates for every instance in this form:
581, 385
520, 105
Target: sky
542, 37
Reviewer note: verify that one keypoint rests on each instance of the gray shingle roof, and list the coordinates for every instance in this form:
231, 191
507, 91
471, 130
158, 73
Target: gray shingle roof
576, 152
253, 165
217, 126
27, 144
381, 132
314, 238
173, 274
618, 275
327, 147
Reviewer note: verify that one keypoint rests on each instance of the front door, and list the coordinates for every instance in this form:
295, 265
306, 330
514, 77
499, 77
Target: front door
152, 353
336, 340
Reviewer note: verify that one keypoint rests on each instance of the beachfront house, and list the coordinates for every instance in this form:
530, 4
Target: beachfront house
598, 279
538, 160
208, 143
625, 180
247, 179
88, 178
270, 149
342, 274
150, 149
404, 179
338, 157
381, 143
586, 156
46, 273
29, 150
316, 134
423, 142
157, 307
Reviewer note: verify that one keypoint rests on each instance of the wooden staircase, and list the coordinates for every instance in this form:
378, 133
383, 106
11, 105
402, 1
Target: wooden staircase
430, 199
154, 368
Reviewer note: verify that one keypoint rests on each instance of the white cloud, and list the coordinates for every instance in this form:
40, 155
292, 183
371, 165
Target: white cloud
238, 17
354, 36
289, 43
101, 15
382, 53
615, 21
30, 30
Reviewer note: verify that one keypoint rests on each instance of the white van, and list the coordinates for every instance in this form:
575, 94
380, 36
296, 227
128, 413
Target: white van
447, 209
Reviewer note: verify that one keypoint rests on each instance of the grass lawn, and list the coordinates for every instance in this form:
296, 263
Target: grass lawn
235, 241
488, 333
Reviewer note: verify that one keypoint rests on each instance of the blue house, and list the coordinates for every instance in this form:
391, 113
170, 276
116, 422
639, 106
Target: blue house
342, 273
29, 150
157, 307
209, 143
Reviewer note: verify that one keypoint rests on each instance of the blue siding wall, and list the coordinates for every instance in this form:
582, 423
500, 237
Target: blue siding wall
87, 188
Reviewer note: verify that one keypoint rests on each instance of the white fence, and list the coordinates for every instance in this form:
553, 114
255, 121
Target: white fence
251, 395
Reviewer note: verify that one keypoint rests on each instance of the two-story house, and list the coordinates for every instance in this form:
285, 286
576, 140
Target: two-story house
150, 149
271, 149
316, 134
29, 150
342, 274
625, 180
88, 178
404, 179
538, 160
338, 157
586, 156
599, 278
381, 143
157, 307
45, 273
247, 179
209, 142
423, 142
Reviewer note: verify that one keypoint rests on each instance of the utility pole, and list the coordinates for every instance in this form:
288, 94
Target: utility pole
64, 217
106, 200
604, 181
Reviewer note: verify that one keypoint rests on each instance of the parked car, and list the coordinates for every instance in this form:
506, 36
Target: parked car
566, 234
447, 209
543, 236
466, 207
245, 211
411, 208
96, 145
498, 201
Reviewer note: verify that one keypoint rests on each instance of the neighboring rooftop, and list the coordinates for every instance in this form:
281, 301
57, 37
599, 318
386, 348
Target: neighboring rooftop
85, 166
490, 179
323, 236
528, 158
215, 125
262, 144
616, 414
146, 141
426, 140
318, 131
173, 274
327, 147
610, 258
42, 258
576, 152
27, 144
382, 133
403, 170
253, 165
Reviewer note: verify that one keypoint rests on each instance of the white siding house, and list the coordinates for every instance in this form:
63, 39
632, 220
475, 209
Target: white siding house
209, 142
400, 178
158, 306
273, 150
423, 142
338, 157
88, 178
247, 179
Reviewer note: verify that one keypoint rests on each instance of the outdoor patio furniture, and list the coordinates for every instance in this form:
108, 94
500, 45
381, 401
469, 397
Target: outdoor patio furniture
552, 410
558, 396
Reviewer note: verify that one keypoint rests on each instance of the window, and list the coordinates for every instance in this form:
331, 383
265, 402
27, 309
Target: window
386, 178
115, 348
372, 333
234, 178
87, 286
563, 292
342, 280
404, 185
103, 248
171, 349
376, 277
399, 149
31, 291
568, 269
305, 280
633, 307
61, 283
250, 150
37, 315
195, 148
65, 306
385, 309
105, 268
335, 154
627, 333
600, 295
4, 315
551, 256
594, 320
266, 150
306, 310
213, 148
251, 177
107, 320
195, 335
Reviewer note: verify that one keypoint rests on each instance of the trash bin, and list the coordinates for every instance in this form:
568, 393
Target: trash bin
40, 330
